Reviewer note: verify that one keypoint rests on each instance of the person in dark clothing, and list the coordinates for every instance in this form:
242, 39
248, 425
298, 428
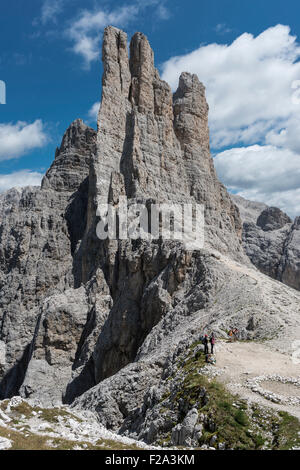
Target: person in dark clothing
205, 342
212, 342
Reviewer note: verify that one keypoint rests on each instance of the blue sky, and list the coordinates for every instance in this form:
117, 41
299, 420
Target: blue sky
50, 62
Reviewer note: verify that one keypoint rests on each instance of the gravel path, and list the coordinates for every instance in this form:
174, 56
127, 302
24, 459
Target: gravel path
241, 361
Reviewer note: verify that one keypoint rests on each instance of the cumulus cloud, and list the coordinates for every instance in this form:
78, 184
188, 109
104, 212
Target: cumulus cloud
86, 29
18, 139
253, 87
20, 179
93, 112
262, 173
263, 167
287, 135
249, 83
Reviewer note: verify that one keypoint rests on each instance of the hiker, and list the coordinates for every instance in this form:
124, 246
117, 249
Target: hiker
236, 334
233, 334
205, 342
212, 342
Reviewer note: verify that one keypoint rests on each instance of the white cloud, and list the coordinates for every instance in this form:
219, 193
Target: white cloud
93, 112
263, 167
50, 10
85, 31
249, 83
254, 101
287, 135
20, 179
18, 139
288, 201
262, 173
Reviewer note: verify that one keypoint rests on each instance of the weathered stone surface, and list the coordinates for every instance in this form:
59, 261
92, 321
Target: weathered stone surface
58, 428
186, 433
60, 324
118, 396
40, 229
272, 218
249, 210
35, 259
72, 159
271, 240
289, 269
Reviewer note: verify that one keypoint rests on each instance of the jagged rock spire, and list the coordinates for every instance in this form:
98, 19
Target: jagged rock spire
72, 158
157, 144
142, 73
191, 112
116, 74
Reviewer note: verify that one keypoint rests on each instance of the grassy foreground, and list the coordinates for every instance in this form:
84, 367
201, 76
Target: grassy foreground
228, 421
19, 432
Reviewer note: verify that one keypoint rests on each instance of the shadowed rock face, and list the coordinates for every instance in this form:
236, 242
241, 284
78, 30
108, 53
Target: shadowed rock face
272, 218
72, 159
39, 232
271, 240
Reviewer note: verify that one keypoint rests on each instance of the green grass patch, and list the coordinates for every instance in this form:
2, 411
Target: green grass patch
31, 441
288, 432
51, 415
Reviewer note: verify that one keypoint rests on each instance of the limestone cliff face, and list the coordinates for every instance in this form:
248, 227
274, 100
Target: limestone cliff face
96, 322
40, 229
152, 147
271, 240
157, 143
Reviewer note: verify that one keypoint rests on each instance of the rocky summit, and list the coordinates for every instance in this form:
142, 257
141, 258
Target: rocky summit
112, 326
271, 240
